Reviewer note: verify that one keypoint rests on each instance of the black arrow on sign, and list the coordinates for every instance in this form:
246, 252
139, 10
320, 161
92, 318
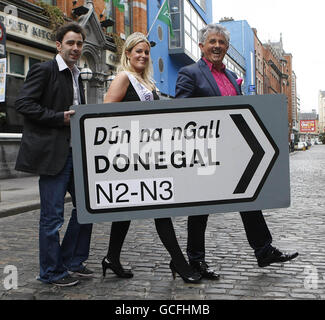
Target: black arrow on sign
258, 153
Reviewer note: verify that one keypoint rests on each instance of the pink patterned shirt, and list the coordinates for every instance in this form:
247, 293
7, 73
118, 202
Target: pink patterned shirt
225, 86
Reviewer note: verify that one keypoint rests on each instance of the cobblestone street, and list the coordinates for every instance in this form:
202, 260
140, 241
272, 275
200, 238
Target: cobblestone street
300, 227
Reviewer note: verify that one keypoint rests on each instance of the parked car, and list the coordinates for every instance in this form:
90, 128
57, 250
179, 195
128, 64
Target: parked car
301, 146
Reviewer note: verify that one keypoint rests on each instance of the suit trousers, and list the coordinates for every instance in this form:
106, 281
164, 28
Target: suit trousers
257, 233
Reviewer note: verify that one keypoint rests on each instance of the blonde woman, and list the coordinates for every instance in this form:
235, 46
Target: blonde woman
134, 83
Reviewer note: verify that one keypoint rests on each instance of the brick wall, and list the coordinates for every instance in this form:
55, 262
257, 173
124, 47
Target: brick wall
140, 16
139, 13
288, 87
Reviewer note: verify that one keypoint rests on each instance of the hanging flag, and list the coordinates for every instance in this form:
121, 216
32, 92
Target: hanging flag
119, 4
164, 16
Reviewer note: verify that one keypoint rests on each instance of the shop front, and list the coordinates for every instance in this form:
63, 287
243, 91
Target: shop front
29, 40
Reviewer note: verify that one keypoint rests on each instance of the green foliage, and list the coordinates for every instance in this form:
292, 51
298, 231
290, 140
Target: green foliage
55, 15
119, 42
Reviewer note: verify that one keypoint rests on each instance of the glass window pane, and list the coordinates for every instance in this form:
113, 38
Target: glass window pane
194, 34
52, 2
187, 25
200, 24
194, 16
188, 42
187, 9
17, 63
33, 61
194, 48
127, 19
176, 41
174, 6
176, 21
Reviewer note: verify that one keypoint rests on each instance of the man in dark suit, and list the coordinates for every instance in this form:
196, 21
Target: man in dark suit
49, 90
209, 77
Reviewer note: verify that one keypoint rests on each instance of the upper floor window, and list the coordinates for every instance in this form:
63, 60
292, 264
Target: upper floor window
111, 11
127, 19
192, 24
52, 2
175, 13
19, 64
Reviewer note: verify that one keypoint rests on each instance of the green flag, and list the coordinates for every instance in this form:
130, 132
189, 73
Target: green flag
165, 17
119, 5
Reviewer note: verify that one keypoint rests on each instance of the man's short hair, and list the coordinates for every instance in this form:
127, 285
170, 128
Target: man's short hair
71, 26
213, 28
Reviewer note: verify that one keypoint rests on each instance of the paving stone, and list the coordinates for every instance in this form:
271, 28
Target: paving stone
300, 227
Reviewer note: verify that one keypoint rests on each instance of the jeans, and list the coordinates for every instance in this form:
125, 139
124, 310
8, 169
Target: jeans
56, 259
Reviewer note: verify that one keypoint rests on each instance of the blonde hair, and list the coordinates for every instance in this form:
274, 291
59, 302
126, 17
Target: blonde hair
147, 75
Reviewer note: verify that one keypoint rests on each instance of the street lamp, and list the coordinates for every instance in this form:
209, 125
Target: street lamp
86, 75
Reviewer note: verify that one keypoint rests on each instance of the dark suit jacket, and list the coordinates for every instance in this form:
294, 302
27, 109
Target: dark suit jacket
44, 97
196, 80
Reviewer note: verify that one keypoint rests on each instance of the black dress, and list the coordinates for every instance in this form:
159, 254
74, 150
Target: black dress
164, 226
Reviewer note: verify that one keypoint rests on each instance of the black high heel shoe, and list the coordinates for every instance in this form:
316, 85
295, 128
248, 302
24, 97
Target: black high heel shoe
195, 277
116, 268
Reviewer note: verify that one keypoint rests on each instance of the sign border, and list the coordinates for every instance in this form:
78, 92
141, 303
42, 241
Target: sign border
163, 111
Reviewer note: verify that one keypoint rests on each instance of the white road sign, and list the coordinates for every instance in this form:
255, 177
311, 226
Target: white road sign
155, 159
178, 157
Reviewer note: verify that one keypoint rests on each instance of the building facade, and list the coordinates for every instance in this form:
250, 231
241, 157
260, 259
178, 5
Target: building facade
295, 104
275, 75
259, 64
30, 38
170, 54
309, 126
242, 40
321, 111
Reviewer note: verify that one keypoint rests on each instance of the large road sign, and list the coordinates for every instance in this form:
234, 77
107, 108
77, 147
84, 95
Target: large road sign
180, 157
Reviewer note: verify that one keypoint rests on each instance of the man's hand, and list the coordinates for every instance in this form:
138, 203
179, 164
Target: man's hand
67, 115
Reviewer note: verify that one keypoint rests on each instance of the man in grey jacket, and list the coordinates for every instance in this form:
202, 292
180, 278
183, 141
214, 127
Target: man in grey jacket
209, 78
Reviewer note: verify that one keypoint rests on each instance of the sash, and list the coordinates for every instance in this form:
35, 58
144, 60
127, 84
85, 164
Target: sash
143, 93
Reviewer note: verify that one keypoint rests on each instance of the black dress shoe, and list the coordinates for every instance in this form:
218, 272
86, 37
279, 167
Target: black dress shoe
193, 277
116, 268
204, 270
274, 255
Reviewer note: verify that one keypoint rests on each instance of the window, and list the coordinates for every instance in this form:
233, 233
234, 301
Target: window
233, 66
17, 64
192, 24
20, 63
175, 13
52, 2
109, 14
32, 61
127, 19
186, 23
